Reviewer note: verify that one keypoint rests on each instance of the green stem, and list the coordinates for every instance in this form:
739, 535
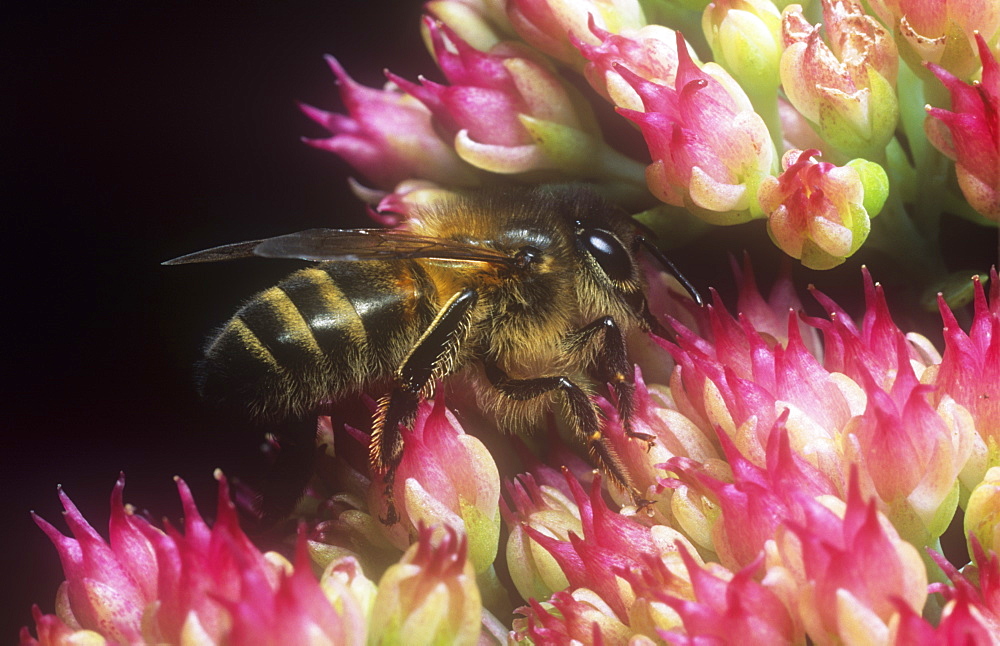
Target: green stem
896, 235
622, 179
909, 226
494, 595
932, 608
930, 192
618, 167
932, 187
902, 175
910, 91
766, 105
957, 205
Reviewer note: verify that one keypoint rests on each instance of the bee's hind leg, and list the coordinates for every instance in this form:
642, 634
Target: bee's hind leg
582, 413
396, 409
431, 358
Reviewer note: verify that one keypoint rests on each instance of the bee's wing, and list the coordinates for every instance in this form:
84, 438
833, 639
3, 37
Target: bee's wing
348, 244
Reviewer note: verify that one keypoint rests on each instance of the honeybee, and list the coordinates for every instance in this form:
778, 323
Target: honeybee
527, 295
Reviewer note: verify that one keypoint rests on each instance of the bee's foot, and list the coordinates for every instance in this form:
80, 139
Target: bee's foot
391, 516
650, 440
644, 506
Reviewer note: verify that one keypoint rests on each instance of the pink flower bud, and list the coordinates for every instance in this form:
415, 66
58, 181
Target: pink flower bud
609, 542
845, 570
669, 434
650, 52
846, 92
547, 510
918, 477
940, 32
445, 478
710, 150
509, 113
971, 608
551, 25
759, 498
209, 584
430, 596
107, 587
741, 382
873, 349
386, 136
724, 604
815, 210
577, 617
969, 373
972, 135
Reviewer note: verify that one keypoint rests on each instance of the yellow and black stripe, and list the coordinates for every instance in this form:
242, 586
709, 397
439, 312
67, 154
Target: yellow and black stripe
321, 331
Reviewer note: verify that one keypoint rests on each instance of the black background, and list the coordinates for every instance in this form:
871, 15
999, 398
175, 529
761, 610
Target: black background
134, 132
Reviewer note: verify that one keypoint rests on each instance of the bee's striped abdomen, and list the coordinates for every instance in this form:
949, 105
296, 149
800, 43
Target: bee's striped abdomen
328, 314
320, 332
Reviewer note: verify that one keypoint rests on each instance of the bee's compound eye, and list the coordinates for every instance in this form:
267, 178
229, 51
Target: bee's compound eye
609, 253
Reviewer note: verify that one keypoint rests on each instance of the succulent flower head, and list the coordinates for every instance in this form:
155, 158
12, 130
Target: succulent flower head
758, 499
650, 52
816, 210
710, 150
552, 26
940, 32
549, 511
445, 478
430, 596
822, 568
969, 372
846, 92
745, 37
972, 135
386, 136
725, 604
207, 584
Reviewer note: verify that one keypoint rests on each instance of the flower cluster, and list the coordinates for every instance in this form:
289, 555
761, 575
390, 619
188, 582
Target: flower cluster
791, 470
784, 87
795, 492
212, 586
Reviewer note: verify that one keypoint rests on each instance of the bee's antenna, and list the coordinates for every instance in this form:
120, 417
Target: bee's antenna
672, 268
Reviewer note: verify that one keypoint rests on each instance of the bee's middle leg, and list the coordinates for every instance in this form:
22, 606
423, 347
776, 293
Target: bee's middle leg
582, 413
613, 367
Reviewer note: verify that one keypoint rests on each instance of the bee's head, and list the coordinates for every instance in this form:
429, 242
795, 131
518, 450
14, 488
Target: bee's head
606, 244
608, 253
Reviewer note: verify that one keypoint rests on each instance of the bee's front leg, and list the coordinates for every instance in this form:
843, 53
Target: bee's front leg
582, 414
431, 358
613, 367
